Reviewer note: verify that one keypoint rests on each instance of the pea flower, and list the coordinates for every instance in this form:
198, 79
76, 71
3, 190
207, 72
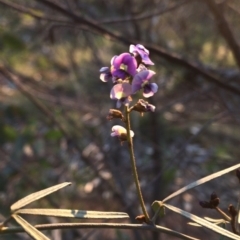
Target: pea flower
141, 81
105, 74
121, 92
120, 132
123, 66
140, 50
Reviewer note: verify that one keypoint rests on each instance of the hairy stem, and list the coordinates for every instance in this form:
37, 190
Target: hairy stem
133, 163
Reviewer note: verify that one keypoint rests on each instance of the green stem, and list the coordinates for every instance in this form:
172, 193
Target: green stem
133, 163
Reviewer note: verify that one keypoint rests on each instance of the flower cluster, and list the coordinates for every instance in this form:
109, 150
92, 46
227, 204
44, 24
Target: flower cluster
129, 73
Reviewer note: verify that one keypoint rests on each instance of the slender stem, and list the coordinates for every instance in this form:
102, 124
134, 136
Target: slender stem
133, 163
51, 226
226, 217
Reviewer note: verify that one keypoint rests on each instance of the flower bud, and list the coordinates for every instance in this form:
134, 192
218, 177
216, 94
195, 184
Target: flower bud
204, 204
231, 209
114, 113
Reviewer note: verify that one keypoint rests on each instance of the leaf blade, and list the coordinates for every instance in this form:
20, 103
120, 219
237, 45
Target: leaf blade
37, 195
203, 222
201, 181
73, 213
31, 230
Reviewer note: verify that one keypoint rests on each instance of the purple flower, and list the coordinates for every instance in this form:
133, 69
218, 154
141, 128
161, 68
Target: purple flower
123, 65
121, 92
120, 132
140, 50
105, 75
141, 80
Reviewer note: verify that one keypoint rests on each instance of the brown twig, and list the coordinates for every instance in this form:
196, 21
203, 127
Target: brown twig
94, 26
144, 16
173, 58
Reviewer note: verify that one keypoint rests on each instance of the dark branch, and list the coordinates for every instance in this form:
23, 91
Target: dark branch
224, 29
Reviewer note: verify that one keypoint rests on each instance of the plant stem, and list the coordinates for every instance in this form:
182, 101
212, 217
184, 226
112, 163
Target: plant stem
226, 217
133, 163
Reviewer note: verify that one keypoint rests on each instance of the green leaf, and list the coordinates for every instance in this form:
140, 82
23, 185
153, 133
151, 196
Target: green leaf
201, 181
203, 222
37, 195
158, 208
31, 230
73, 213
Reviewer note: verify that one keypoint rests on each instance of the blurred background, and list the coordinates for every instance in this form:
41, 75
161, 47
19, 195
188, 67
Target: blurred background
53, 108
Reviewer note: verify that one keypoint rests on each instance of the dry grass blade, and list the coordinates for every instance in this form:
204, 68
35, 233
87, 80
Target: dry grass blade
72, 213
31, 230
203, 222
37, 195
201, 181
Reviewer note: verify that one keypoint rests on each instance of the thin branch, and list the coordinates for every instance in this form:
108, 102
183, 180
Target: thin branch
224, 29
144, 16
173, 58
156, 228
93, 26
30, 12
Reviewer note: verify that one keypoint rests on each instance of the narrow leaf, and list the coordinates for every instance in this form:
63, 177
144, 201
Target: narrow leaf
31, 230
203, 222
37, 195
201, 181
194, 224
72, 213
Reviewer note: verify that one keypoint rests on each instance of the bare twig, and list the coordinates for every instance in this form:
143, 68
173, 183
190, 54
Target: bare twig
144, 16
93, 26
174, 58
30, 12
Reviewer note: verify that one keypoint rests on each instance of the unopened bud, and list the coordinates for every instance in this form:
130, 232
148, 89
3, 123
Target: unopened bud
204, 204
141, 218
214, 203
213, 196
114, 113
232, 210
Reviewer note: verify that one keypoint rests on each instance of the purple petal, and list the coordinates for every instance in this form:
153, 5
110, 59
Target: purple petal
147, 93
141, 47
150, 89
105, 77
104, 70
118, 104
121, 90
154, 87
126, 59
117, 130
142, 51
119, 73
140, 78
